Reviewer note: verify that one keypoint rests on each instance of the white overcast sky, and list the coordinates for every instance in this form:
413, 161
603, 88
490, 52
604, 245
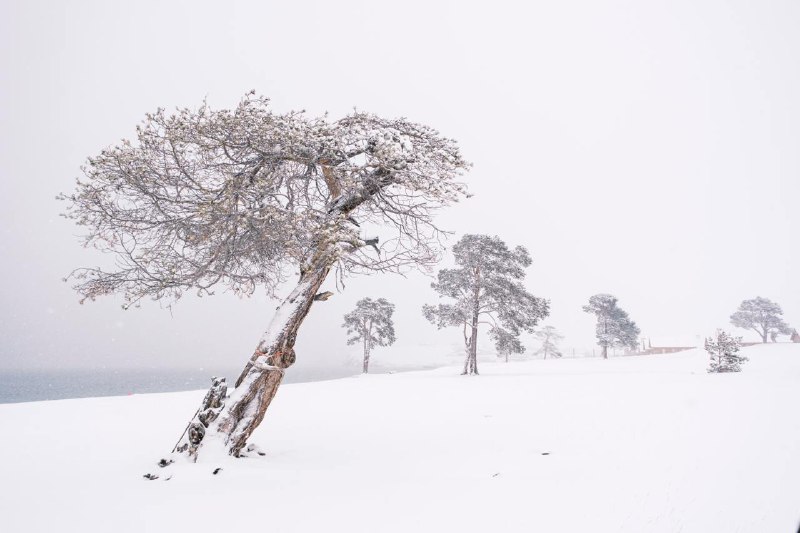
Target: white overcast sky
650, 149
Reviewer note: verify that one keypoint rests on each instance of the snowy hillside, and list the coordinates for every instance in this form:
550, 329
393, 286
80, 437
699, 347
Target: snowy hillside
633, 444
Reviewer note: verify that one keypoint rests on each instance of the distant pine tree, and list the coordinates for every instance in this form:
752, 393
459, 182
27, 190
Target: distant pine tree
486, 287
371, 324
550, 339
762, 316
614, 327
724, 353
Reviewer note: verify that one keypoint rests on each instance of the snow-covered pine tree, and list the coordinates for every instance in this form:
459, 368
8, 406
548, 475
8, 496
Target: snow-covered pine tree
614, 326
723, 351
505, 342
486, 288
371, 324
550, 338
763, 316
243, 198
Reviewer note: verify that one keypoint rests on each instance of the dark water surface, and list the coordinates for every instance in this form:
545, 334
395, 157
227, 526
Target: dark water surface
34, 385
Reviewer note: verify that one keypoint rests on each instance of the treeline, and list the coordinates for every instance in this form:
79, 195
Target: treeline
486, 289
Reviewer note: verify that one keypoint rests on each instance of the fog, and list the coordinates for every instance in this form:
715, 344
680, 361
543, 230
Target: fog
645, 149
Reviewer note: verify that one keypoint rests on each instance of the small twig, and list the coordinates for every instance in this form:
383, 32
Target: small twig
187, 428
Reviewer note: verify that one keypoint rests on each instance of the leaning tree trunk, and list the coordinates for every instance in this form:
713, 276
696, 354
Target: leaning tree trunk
232, 422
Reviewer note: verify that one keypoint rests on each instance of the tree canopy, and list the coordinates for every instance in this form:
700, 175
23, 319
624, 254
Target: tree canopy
371, 324
723, 351
487, 288
236, 197
241, 198
550, 337
761, 315
614, 326
371, 320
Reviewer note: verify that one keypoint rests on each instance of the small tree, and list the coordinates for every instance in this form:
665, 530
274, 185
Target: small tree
763, 316
370, 323
550, 339
505, 342
247, 198
614, 326
724, 353
486, 288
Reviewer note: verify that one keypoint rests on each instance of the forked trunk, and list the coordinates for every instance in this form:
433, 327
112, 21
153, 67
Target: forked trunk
471, 364
471, 351
474, 348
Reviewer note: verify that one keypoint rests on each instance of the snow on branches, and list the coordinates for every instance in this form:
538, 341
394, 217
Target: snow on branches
550, 338
614, 326
209, 197
763, 316
486, 288
723, 351
239, 198
371, 324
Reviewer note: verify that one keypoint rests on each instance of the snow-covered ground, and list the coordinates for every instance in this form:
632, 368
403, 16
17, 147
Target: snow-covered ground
639, 444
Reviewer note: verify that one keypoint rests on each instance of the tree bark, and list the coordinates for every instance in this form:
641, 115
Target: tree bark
605, 352
233, 423
467, 356
258, 383
365, 368
471, 360
473, 349
473, 341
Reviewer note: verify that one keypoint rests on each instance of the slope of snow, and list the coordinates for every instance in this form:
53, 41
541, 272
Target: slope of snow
630, 444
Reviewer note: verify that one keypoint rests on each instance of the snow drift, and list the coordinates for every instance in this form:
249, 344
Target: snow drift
649, 443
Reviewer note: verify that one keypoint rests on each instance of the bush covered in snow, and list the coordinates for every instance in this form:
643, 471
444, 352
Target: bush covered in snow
724, 353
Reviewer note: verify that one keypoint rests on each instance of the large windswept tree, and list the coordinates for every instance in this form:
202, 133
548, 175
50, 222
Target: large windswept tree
371, 324
248, 198
614, 326
762, 316
486, 288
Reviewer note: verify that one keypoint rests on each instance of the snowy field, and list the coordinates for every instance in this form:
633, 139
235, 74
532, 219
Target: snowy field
638, 444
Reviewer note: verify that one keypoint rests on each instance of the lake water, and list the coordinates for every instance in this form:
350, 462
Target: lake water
35, 385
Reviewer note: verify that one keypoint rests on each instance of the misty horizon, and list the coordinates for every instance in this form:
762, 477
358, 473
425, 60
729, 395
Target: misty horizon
633, 150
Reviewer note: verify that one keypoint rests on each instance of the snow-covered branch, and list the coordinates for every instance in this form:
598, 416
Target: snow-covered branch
236, 197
